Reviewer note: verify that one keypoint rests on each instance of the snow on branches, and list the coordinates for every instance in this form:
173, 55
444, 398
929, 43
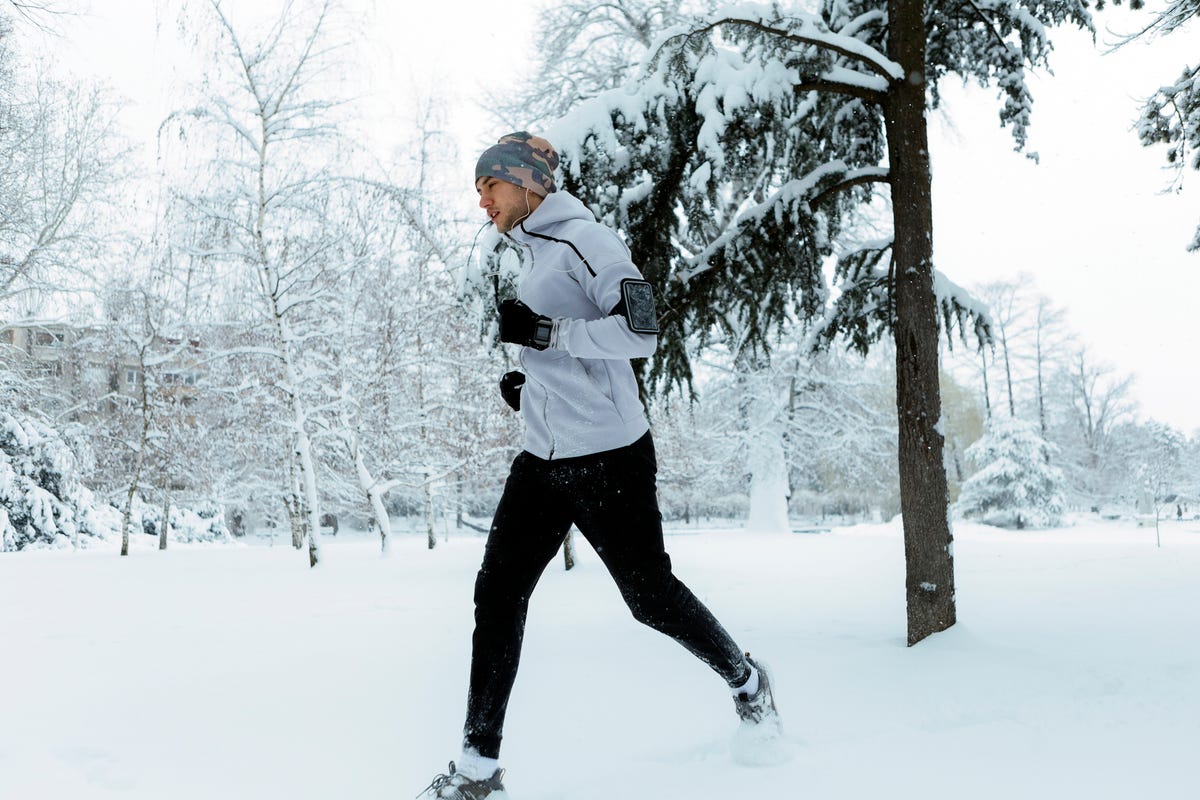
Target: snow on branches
755, 136
44, 504
41, 500
994, 42
1171, 116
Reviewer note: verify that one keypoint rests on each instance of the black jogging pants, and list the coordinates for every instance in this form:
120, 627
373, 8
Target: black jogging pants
611, 498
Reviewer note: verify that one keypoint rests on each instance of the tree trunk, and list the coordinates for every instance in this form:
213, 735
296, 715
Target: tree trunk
569, 551
125, 517
304, 484
1041, 387
430, 536
304, 506
762, 413
987, 394
768, 483
308, 476
166, 519
141, 457
928, 551
458, 510
294, 505
1012, 404
304, 502
371, 488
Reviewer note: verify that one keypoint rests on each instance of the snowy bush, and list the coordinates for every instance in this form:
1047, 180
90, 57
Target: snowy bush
1016, 486
205, 523
42, 502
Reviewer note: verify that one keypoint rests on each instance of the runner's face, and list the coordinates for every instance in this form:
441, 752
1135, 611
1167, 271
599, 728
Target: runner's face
505, 204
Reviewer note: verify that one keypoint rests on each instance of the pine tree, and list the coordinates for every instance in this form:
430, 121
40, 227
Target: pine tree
42, 502
1016, 485
748, 147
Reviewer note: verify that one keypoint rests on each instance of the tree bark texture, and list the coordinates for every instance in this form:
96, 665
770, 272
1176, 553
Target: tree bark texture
928, 551
430, 536
293, 503
569, 551
166, 519
370, 487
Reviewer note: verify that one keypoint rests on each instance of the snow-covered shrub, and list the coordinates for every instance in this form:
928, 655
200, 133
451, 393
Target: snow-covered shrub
1015, 486
204, 523
42, 502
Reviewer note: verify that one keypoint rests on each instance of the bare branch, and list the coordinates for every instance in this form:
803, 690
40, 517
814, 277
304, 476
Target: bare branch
862, 93
36, 13
859, 179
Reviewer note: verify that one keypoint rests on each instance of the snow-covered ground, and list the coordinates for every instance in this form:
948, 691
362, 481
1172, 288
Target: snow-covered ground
234, 671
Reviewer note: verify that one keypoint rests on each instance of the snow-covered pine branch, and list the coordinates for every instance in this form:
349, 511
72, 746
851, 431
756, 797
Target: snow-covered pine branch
1171, 116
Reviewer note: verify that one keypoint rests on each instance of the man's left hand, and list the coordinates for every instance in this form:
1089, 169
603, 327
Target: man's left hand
510, 388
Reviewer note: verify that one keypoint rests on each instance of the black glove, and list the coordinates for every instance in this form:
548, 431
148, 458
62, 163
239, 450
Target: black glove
519, 324
510, 389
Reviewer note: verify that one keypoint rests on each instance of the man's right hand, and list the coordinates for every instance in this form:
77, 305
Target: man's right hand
520, 324
510, 388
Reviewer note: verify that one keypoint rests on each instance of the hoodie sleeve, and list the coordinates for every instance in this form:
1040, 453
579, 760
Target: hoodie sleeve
608, 263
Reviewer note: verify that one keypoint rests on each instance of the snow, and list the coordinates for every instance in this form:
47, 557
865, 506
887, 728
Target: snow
234, 671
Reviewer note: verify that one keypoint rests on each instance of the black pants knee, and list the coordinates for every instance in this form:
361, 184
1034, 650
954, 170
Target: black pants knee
611, 498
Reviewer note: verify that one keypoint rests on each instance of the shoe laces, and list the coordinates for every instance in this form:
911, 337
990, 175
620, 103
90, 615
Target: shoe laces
747, 707
438, 783
753, 707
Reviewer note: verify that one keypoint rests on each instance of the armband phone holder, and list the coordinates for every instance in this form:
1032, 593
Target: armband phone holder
637, 301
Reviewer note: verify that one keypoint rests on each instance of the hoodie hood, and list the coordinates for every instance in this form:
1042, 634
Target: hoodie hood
557, 208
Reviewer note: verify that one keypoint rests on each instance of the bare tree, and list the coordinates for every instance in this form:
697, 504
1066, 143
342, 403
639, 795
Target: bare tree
1158, 468
142, 339
1009, 310
1049, 338
271, 122
1097, 401
418, 404
1028, 339
62, 165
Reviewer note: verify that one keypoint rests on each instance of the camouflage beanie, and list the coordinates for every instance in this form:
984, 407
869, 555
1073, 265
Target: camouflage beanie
523, 159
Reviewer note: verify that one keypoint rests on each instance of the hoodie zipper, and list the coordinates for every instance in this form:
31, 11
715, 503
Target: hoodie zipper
521, 357
545, 406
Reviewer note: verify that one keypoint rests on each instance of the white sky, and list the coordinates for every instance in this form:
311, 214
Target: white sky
1091, 222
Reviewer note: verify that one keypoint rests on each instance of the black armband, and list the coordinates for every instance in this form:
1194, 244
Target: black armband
637, 306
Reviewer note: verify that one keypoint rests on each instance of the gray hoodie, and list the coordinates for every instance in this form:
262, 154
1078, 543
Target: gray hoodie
580, 395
